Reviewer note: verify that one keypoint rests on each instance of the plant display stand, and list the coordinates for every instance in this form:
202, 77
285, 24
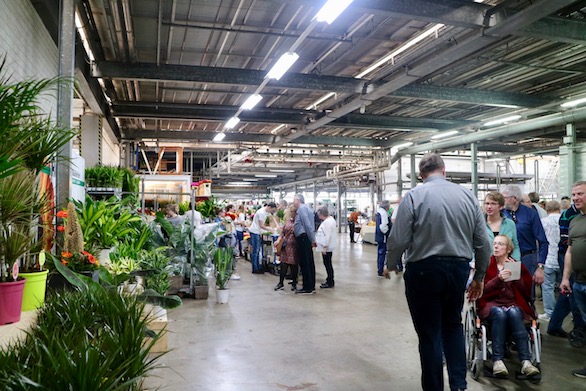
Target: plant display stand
201, 292
157, 325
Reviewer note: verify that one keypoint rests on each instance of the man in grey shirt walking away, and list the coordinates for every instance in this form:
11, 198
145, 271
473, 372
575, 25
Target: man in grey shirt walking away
440, 228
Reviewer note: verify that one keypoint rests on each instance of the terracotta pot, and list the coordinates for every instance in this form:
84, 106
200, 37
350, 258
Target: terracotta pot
11, 301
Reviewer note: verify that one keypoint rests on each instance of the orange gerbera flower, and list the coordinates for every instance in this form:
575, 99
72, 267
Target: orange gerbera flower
61, 228
62, 214
63, 261
66, 254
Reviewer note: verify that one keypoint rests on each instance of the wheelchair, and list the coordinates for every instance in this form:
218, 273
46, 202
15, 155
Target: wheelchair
478, 346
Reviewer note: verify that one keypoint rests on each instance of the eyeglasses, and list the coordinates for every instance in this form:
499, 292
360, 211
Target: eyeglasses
500, 243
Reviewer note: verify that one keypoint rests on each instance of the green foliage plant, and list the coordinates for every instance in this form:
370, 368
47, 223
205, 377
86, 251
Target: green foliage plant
159, 269
105, 223
88, 339
30, 141
223, 264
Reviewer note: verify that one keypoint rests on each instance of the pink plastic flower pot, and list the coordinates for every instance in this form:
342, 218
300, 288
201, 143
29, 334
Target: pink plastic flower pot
11, 301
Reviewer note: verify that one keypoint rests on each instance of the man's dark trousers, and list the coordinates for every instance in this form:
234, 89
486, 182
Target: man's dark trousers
306, 261
435, 293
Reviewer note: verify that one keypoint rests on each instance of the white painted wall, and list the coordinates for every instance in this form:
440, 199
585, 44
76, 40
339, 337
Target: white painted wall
30, 52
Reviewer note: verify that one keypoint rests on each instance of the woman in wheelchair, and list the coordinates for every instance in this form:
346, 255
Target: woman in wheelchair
505, 304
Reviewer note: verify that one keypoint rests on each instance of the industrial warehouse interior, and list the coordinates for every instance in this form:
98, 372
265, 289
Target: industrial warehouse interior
209, 111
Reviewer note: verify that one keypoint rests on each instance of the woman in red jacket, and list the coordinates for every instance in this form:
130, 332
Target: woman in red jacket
505, 304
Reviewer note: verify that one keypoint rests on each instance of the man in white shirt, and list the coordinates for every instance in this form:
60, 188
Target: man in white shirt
552, 271
257, 227
327, 240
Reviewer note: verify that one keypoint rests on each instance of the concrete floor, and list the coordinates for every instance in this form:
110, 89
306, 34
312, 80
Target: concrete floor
357, 336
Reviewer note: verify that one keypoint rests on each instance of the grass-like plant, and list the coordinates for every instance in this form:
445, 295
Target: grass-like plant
90, 339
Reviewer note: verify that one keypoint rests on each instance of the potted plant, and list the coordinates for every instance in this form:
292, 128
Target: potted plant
30, 141
223, 265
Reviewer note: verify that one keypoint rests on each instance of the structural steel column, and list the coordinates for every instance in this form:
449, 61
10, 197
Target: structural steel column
474, 168
413, 172
65, 95
400, 177
339, 208
570, 142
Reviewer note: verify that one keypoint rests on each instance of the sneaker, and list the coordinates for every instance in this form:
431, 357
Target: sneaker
544, 317
304, 292
235, 276
381, 275
279, 287
293, 287
499, 368
580, 372
529, 369
325, 285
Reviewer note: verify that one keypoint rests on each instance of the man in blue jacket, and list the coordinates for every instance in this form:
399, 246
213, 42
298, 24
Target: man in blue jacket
381, 233
529, 232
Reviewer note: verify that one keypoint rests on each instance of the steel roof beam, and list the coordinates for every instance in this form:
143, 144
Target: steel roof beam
163, 135
225, 76
231, 76
185, 111
470, 96
557, 29
452, 13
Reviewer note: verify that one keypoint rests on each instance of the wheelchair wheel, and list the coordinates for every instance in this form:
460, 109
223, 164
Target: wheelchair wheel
470, 339
577, 338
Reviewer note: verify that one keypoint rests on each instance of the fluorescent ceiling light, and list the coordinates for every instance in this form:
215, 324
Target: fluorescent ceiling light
331, 10
407, 144
265, 175
320, 100
232, 122
502, 120
275, 130
400, 49
503, 105
239, 183
251, 102
574, 102
444, 134
219, 137
250, 179
282, 66
278, 170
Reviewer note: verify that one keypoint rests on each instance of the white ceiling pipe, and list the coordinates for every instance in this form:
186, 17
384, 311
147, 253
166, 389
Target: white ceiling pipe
507, 130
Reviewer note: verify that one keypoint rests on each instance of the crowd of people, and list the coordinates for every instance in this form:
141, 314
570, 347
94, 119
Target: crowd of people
448, 244
295, 237
456, 246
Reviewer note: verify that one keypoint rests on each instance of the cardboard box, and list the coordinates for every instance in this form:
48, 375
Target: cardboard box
162, 344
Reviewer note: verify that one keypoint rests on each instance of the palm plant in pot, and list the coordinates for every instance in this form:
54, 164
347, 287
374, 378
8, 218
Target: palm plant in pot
223, 265
30, 141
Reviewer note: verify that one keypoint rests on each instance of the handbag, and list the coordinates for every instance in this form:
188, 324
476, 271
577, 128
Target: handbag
279, 246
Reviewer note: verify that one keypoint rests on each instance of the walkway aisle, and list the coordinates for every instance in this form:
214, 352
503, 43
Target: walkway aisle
357, 336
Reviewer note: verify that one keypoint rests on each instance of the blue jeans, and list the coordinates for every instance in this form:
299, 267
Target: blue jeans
239, 239
381, 257
563, 306
579, 292
508, 319
254, 257
552, 276
435, 293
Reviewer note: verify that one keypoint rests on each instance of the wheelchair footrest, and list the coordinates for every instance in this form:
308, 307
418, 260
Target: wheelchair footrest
532, 379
